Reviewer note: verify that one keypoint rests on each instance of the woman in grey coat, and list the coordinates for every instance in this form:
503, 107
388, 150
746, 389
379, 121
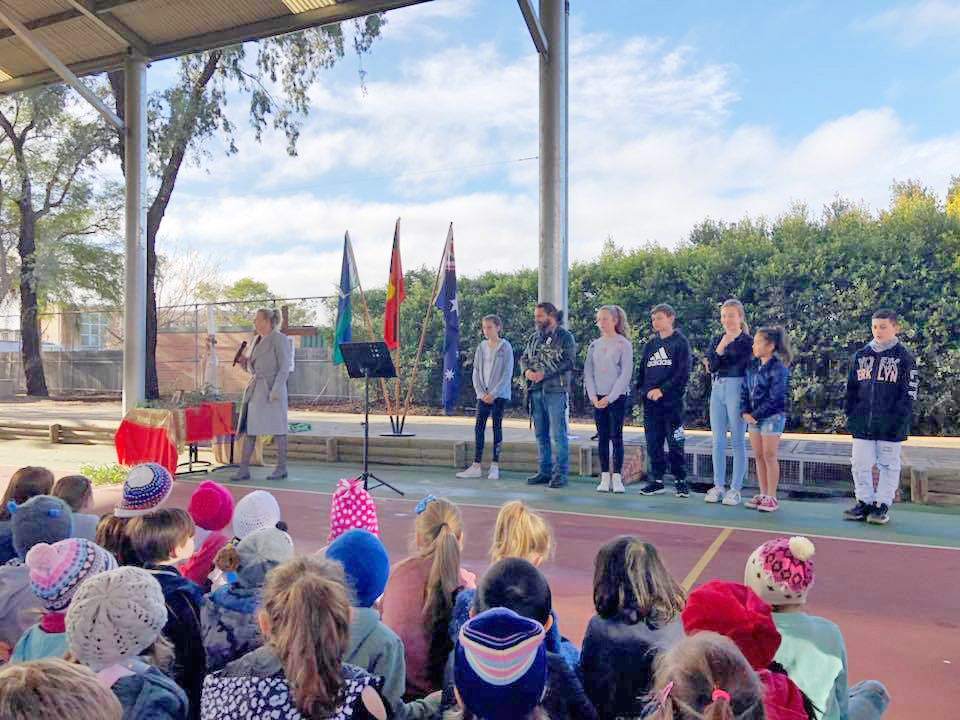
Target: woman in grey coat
263, 410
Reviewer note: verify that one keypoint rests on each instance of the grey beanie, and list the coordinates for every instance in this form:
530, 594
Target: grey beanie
41, 519
114, 616
260, 552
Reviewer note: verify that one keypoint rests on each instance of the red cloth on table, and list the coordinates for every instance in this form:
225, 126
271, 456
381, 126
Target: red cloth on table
222, 418
199, 423
147, 435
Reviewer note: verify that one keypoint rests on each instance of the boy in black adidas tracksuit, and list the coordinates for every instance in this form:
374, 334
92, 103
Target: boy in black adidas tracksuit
881, 388
662, 381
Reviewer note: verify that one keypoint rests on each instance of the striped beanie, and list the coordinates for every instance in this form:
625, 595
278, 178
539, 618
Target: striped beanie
500, 668
146, 488
57, 570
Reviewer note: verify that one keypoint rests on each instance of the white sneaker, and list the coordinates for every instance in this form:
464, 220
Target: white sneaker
714, 495
618, 483
732, 497
494, 472
604, 485
474, 471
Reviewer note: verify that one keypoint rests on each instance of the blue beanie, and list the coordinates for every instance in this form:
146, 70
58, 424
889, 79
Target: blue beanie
365, 564
41, 519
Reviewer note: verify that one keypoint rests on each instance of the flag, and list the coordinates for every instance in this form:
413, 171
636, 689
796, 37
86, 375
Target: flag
348, 281
391, 331
446, 302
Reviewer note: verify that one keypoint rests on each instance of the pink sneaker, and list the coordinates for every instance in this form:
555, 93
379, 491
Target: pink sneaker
753, 503
768, 504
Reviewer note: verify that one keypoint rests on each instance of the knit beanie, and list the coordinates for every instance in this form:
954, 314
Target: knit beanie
500, 666
735, 611
781, 571
260, 552
365, 564
57, 570
41, 519
352, 507
254, 511
114, 616
146, 488
211, 506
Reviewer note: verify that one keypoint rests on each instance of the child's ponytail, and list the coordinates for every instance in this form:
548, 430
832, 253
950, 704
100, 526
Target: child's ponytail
777, 335
719, 707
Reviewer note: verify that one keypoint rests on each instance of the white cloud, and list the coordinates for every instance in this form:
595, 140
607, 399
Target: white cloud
915, 23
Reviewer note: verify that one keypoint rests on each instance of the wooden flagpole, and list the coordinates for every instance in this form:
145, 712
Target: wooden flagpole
423, 335
366, 315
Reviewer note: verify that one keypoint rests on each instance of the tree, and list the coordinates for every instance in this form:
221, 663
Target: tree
186, 116
50, 148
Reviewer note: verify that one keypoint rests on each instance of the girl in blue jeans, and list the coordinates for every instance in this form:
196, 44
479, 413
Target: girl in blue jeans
727, 361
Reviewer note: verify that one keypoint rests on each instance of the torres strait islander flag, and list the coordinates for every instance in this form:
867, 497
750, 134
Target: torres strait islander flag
391, 330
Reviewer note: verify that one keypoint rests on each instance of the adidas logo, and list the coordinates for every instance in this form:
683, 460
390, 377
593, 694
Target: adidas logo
660, 357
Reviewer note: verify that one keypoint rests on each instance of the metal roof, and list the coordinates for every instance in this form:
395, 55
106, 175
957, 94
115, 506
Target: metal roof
93, 36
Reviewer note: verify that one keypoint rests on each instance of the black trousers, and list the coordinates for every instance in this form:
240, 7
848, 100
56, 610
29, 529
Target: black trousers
664, 424
610, 431
479, 429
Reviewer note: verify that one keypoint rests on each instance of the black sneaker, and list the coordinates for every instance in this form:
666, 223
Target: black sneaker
879, 514
557, 482
860, 511
654, 487
538, 479
682, 489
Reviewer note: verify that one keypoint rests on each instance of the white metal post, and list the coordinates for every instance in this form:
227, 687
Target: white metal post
135, 271
553, 285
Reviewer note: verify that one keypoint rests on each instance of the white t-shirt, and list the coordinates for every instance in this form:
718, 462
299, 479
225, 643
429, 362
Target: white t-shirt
487, 356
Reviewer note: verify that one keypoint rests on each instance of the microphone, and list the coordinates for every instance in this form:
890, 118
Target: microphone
236, 358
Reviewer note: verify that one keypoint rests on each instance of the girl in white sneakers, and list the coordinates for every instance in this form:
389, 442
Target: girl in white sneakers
606, 375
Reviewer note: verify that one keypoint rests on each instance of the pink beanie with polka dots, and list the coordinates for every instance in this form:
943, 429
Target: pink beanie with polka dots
781, 571
352, 507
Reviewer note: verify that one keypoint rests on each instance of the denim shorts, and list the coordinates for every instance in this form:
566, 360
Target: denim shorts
772, 425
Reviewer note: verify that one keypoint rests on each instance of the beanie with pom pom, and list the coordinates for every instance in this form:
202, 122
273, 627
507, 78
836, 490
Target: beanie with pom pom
781, 571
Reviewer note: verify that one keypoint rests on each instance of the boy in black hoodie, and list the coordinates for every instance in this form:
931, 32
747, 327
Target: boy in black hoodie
166, 536
881, 388
662, 381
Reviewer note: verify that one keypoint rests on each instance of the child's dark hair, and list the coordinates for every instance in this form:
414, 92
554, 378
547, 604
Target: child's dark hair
777, 335
630, 581
112, 536
666, 309
517, 585
886, 314
74, 490
157, 534
27, 482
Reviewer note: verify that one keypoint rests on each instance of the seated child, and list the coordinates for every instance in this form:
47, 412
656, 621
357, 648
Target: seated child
705, 676
299, 672
811, 649
77, 492
114, 626
418, 600
41, 519
55, 689
638, 608
352, 507
256, 510
500, 670
211, 507
229, 616
160, 538
56, 572
27, 482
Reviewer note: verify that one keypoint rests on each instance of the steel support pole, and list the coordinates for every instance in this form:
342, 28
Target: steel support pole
135, 270
553, 285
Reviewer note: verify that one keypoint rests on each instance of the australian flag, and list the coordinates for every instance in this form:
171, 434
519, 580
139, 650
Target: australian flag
446, 302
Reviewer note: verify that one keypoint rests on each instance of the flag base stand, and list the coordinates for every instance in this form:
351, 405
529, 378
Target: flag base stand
398, 426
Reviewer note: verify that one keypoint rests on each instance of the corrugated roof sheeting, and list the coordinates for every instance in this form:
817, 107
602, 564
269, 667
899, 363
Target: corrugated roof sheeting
172, 20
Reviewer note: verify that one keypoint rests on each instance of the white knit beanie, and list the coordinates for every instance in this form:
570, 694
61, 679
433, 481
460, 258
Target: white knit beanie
255, 511
114, 616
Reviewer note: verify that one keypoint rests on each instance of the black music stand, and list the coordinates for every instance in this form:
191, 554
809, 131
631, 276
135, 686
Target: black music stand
368, 360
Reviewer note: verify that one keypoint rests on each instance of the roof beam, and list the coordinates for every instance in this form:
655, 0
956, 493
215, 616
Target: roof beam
47, 77
88, 13
28, 39
118, 28
533, 25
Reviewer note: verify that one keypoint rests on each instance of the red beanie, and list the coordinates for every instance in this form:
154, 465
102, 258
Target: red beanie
211, 506
735, 611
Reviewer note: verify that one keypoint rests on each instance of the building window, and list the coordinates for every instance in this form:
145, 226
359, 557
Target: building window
93, 325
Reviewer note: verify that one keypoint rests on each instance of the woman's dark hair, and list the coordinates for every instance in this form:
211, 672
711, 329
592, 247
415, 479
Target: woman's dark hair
629, 581
777, 335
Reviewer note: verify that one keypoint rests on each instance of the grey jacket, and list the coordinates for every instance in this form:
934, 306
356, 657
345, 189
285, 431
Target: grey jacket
555, 354
265, 398
377, 649
500, 382
19, 607
150, 695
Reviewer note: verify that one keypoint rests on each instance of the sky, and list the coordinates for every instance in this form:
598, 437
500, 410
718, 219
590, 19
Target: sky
679, 112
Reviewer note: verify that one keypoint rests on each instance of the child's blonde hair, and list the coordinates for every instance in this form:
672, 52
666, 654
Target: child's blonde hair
630, 581
619, 315
520, 533
75, 490
439, 531
54, 689
738, 306
706, 677
307, 610
25, 483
